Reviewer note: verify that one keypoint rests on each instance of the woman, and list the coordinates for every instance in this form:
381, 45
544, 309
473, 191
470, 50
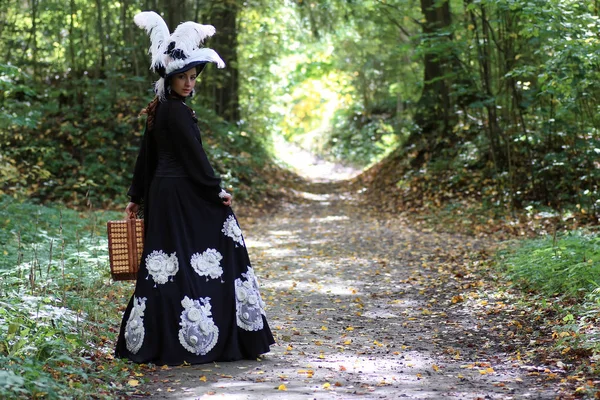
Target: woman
196, 298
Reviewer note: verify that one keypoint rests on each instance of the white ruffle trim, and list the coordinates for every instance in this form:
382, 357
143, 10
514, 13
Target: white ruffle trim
223, 194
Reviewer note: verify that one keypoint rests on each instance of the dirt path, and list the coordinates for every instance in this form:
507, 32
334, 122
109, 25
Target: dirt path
363, 308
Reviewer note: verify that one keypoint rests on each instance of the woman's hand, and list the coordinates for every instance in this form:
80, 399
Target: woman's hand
131, 210
226, 198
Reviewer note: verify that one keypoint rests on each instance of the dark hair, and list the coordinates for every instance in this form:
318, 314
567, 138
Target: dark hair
150, 110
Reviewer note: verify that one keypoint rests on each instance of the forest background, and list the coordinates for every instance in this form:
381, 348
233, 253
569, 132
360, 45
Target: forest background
489, 106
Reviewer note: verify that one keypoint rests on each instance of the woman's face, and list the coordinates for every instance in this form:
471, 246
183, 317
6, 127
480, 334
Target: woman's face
183, 83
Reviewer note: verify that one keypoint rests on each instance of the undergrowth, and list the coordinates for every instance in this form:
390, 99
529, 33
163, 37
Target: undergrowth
74, 147
59, 310
561, 272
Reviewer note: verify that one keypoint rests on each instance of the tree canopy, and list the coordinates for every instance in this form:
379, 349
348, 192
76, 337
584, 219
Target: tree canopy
498, 92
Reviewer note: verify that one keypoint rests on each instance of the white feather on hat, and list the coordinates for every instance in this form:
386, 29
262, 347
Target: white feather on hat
174, 52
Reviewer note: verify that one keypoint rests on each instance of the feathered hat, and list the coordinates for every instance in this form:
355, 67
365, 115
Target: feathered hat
177, 52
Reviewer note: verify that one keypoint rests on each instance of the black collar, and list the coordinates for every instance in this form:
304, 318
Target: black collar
175, 96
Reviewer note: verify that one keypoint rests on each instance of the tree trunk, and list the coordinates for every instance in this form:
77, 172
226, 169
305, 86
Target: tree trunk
34, 9
225, 84
175, 13
100, 27
434, 114
72, 35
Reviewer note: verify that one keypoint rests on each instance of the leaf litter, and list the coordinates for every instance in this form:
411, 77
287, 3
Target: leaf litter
368, 305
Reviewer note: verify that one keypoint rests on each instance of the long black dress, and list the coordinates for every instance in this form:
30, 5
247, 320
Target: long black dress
196, 298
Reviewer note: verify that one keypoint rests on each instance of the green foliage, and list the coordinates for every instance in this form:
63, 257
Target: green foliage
59, 312
363, 138
72, 83
567, 265
564, 275
84, 146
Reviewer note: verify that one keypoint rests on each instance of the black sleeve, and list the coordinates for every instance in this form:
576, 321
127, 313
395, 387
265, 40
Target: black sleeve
137, 188
188, 144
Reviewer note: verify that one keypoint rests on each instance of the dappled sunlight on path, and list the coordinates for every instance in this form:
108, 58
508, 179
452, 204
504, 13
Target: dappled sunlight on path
359, 312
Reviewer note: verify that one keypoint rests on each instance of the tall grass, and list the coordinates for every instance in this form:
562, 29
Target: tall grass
59, 310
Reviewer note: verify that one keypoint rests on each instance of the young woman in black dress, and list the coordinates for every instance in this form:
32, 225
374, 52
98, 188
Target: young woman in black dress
196, 298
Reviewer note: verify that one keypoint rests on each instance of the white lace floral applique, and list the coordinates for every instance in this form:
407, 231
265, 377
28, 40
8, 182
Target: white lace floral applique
249, 305
134, 328
254, 280
161, 266
208, 263
232, 229
198, 333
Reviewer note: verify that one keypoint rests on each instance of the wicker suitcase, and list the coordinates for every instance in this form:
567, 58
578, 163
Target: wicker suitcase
125, 246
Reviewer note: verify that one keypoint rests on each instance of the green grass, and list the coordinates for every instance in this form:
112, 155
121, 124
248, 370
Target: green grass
562, 276
568, 264
58, 307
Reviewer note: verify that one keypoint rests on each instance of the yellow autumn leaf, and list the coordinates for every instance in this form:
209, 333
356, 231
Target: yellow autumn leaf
348, 341
282, 387
350, 328
435, 368
323, 328
203, 378
133, 382
457, 299
326, 385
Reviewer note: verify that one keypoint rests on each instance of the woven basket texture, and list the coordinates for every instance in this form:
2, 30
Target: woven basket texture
125, 246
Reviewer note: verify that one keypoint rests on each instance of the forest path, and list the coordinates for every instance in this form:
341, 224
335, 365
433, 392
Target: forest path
364, 307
